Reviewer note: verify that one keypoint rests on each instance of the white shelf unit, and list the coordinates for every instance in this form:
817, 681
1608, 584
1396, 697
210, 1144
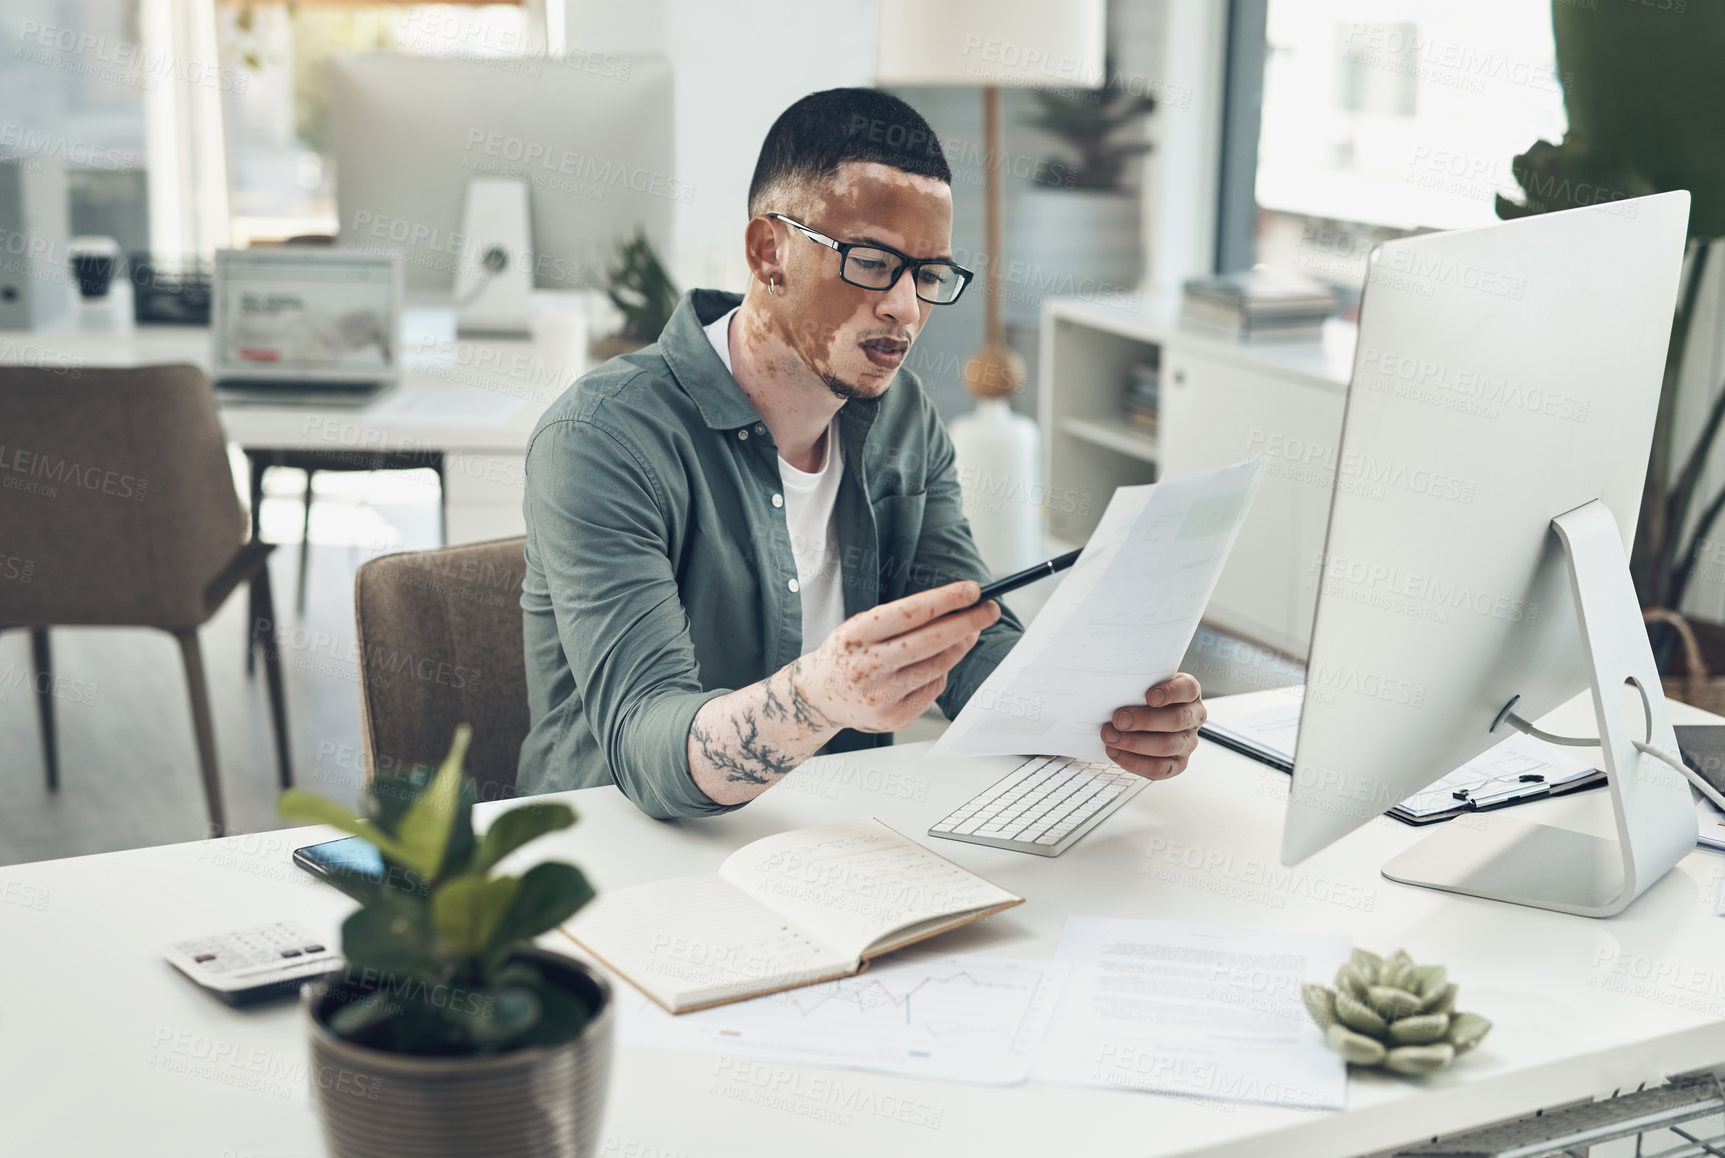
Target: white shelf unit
1220, 402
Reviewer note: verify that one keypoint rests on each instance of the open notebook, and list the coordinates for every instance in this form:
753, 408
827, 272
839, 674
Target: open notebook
788, 910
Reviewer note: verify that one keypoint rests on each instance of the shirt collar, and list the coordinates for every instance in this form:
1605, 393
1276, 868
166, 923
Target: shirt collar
685, 347
723, 405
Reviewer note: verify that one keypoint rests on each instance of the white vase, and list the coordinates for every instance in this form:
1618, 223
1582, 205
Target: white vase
999, 460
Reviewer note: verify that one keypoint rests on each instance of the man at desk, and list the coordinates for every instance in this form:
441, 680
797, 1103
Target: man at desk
745, 543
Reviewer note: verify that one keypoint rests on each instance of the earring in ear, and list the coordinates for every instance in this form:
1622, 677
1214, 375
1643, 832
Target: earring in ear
772, 284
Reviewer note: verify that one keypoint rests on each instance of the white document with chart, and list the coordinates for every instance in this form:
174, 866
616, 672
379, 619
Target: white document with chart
1119, 623
1176, 1007
963, 1018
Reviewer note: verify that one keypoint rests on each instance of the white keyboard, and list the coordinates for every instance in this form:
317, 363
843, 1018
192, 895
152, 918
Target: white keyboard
1042, 806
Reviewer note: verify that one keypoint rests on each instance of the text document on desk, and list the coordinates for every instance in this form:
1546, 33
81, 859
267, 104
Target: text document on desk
1119, 623
1176, 1007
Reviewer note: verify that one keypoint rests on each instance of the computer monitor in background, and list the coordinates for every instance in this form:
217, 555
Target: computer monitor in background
590, 136
1505, 376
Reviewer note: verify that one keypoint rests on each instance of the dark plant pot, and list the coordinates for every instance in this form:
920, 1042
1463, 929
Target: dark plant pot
537, 1102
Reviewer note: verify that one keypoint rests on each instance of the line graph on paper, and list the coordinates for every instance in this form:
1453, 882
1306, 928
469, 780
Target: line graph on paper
964, 1018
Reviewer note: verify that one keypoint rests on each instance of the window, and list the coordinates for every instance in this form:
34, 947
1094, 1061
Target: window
1386, 117
72, 84
280, 171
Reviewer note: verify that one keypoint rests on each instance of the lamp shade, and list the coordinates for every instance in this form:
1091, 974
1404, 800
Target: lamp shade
1014, 43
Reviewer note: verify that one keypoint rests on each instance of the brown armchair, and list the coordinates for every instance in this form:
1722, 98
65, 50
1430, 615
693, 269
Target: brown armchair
115, 487
440, 644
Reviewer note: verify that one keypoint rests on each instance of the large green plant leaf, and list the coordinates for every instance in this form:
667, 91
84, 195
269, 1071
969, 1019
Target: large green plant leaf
516, 827
1644, 92
549, 895
467, 910
393, 938
296, 804
424, 833
503, 1014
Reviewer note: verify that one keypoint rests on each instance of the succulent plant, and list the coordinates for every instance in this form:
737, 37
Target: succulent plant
1389, 1012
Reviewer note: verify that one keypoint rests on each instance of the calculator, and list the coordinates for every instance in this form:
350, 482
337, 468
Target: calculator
249, 965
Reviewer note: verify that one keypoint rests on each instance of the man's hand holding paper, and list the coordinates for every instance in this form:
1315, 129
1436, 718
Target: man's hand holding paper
1095, 676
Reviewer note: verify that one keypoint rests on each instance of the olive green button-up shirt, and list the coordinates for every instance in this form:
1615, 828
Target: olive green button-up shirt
660, 572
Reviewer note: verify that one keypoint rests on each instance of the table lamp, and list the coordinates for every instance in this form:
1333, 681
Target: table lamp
990, 43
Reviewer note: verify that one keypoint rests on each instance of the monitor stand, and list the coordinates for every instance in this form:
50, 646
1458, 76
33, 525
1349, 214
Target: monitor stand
1556, 868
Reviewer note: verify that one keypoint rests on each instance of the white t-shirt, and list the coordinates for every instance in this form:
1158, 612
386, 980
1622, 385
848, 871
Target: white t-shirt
809, 499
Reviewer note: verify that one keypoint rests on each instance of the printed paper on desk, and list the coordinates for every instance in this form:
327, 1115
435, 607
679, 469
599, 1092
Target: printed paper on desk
1175, 1007
1120, 622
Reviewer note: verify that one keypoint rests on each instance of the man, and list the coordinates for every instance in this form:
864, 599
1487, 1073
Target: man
745, 542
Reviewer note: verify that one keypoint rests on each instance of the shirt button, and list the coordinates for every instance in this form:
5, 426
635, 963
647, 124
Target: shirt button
778, 500
759, 429
743, 434
793, 586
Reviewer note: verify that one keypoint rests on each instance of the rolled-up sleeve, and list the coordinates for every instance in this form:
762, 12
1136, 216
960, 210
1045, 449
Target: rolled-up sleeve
946, 552
599, 528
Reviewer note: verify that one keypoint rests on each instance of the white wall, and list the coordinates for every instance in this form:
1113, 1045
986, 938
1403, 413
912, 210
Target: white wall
737, 65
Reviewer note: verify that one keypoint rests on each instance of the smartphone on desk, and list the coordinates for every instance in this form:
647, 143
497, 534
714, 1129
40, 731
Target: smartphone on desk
356, 868
340, 862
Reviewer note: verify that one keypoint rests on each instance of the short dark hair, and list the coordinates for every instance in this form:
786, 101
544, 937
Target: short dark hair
813, 137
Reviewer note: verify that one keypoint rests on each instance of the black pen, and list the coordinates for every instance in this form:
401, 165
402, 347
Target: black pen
1027, 576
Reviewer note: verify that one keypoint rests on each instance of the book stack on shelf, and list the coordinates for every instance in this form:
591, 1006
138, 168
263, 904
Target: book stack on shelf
1141, 398
1257, 305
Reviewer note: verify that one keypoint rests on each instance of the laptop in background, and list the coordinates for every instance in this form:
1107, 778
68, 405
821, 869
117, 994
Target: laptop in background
300, 324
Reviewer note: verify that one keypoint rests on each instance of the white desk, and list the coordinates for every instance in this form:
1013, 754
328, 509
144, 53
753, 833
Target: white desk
473, 401
105, 1050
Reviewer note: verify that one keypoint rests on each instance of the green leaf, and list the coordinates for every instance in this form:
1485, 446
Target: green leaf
1358, 1015
1390, 1003
425, 830
467, 910
1421, 1029
549, 894
393, 937
1420, 1059
1350, 980
511, 1011
355, 1017
1428, 979
391, 792
516, 827
1367, 964
562, 1017
1320, 1003
462, 843
1354, 1047
1443, 1001
1467, 1030
297, 804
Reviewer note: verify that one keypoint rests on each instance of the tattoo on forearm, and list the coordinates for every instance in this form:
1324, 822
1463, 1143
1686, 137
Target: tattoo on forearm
806, 713
753, 761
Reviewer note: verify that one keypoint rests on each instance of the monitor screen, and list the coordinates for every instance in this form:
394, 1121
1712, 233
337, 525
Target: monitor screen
288, 314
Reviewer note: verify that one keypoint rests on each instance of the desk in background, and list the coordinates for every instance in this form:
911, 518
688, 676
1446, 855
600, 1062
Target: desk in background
91, 1016
473, 401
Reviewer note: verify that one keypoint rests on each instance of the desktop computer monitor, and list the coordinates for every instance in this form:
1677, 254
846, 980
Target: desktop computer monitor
589, 136
1488, 482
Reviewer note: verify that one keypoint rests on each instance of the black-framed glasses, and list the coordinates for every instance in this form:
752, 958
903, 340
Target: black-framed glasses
875, 267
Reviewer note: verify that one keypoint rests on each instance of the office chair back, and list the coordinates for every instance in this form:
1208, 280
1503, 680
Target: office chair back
121, 478
440, 643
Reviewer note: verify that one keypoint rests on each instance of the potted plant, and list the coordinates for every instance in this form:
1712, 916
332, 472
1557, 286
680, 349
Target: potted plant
1078, 224
1640, 93
643, 291
448, 1032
